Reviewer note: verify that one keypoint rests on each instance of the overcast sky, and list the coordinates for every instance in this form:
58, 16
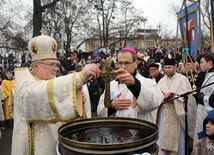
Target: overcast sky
158, 11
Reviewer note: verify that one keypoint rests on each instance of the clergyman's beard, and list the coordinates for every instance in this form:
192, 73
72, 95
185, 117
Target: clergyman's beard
170, 75
47, 77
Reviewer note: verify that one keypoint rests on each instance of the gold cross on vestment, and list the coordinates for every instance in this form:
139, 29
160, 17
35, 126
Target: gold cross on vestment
66, 90
107, 73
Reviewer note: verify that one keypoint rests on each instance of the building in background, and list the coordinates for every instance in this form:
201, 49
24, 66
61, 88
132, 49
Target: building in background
136, 40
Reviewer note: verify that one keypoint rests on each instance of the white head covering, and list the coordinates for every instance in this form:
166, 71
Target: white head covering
160, 67
42, 47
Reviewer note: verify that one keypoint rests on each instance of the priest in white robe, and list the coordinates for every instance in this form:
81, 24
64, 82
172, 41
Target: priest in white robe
42, 102
171, 115
132, 95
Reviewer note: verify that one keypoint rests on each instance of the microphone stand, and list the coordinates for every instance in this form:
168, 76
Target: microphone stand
185, 97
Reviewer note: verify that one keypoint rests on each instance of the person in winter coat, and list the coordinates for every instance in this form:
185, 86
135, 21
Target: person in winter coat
206, 137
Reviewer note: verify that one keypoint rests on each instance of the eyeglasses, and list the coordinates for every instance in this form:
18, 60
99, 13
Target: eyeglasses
126, 63
153, 69
52, 65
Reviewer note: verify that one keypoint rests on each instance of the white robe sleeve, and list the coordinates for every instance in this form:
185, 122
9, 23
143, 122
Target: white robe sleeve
207, 91
150, 97
102, 111
87, 104
50, 101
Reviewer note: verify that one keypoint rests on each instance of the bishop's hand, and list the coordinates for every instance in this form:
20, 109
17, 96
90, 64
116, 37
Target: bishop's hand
124, 77
119, 103
90, 70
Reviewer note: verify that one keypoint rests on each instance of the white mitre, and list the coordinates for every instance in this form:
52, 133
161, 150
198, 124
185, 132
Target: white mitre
42, 47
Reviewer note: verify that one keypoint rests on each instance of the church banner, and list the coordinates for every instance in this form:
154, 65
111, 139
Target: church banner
189, 28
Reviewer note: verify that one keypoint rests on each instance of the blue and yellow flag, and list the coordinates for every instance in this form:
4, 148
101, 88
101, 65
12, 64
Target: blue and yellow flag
189, 24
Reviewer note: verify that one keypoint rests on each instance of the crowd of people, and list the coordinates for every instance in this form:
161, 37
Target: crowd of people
148, 85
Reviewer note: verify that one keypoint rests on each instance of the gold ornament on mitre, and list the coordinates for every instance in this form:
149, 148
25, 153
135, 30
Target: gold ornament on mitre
42, 47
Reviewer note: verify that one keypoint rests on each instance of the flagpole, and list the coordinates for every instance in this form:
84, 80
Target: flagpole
212, 25
176, 43
187, 27
186, 107
199, 38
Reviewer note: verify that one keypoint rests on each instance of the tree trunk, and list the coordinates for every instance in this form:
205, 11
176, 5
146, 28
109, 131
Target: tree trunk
37, 17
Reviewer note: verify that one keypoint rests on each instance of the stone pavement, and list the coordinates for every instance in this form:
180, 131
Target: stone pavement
5, 141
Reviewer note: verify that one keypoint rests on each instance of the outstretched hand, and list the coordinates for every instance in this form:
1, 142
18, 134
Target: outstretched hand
90, 70
124, 77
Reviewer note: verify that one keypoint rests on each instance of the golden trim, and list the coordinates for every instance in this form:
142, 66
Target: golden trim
165, 150
52, 104
52, 121
51, 99
79, 104
189, 12
74, 91
31, 138
169, 129
36, 76
81, 77
83, 105
21, 68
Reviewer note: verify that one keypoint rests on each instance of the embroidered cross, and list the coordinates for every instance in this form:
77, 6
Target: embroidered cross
67, 91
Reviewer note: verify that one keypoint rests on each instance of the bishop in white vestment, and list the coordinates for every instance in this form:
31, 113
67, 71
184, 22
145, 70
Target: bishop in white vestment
144, 107
132, 94
42, 102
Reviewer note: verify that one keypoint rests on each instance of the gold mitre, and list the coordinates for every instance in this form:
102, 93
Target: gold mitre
42, 47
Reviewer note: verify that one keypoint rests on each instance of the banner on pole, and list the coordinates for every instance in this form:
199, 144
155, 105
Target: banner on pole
189, 18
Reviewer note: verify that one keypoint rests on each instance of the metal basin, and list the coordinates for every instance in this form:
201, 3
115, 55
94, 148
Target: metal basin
110, 135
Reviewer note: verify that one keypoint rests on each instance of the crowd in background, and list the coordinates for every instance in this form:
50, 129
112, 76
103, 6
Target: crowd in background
75, 60
150, 65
